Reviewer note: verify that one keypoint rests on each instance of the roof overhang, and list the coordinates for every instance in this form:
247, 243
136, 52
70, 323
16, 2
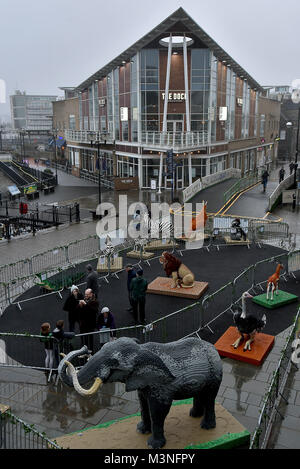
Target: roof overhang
166, 26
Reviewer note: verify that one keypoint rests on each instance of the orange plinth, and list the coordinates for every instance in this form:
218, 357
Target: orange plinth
261, 346
162, 286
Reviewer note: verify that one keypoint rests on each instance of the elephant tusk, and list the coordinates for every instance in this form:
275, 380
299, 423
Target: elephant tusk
84, 392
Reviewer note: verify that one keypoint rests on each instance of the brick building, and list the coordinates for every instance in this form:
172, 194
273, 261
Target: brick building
174, 89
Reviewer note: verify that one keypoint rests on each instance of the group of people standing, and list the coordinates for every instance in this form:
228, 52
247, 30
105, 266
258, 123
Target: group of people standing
82, 310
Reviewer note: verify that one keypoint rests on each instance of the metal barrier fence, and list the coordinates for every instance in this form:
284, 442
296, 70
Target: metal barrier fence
185, 322
274, 394
16, 434
239, 186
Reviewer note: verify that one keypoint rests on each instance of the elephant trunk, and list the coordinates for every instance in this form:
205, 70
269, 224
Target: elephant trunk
70, 377
84, 392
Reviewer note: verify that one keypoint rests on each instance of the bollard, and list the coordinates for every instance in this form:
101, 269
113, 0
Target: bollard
294, 202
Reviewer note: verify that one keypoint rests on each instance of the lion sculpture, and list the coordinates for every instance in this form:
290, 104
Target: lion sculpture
182, 276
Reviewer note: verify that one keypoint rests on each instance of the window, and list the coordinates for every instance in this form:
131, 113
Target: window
72, 122
262, 125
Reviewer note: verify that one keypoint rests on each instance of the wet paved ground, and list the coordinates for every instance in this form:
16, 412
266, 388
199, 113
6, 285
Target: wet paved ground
56, 410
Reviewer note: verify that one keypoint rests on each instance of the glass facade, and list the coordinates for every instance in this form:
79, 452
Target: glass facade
200, 89
230, 104
149, 73
130, 99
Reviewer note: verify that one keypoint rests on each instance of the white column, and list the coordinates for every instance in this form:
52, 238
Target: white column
140, 171
113, 102
93, 95
167, 85
186, 87
160, 173
190, 169
139, 114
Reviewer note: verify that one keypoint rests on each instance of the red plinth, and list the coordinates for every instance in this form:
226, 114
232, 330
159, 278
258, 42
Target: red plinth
260, 348
162, 286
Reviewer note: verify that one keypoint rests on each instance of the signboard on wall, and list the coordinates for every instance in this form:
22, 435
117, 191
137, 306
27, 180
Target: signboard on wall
287, 197
124, 114
223, 113
126, 183
30, 189
153, 184
170, 163
174, 97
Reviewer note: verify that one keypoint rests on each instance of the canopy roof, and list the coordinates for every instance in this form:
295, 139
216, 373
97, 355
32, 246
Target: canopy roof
177, 23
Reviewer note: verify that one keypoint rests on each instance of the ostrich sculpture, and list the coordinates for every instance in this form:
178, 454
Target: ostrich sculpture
247, 324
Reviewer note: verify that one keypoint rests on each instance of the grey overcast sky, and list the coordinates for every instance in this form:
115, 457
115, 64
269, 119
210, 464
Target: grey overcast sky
45, 44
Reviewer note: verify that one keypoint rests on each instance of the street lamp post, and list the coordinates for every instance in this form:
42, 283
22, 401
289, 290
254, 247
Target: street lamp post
55, 154
97, 142
296, 154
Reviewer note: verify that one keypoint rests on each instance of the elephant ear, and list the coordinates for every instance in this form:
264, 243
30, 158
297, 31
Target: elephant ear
148, 370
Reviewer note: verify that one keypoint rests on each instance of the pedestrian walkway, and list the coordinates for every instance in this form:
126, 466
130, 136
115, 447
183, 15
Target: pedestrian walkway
56, 410
254, 202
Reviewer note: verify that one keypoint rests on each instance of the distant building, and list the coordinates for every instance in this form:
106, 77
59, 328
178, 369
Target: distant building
31, 112
65, 116
288, 121
174, 89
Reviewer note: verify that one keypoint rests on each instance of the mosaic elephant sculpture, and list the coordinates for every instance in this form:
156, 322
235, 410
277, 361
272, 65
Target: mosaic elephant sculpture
159, 372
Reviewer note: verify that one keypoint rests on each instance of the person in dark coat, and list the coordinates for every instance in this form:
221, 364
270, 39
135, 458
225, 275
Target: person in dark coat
71, 306
264, 180
88, 311
106, 319
92, 280
62, 343
291, 167
131, 273
281, 175
138, 289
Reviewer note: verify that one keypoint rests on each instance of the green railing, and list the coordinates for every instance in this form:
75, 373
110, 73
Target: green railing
17, 434
274, 394
239, 186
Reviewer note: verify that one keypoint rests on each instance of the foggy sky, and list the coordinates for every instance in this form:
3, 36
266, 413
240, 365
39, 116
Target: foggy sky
45, 44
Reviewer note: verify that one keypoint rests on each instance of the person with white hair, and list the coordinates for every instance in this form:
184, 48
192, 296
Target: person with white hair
71, 306
105, 320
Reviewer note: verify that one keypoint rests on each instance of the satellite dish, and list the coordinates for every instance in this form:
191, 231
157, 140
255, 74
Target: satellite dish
296, 96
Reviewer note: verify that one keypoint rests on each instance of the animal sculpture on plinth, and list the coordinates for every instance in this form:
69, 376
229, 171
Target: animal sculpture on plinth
159, 372
273, 281
182, 276
247, 323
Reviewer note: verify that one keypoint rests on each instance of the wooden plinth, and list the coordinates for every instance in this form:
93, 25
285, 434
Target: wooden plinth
192, 238
228, 240
162, 286
260, 348
158, 245
115, 265
181, 432
138, 255
283, 298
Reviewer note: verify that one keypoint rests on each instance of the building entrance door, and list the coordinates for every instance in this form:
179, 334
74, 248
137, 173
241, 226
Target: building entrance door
179, 177
174, 126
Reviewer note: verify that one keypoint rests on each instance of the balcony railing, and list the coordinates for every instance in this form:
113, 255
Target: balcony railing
85, 136
156, 139
175, 139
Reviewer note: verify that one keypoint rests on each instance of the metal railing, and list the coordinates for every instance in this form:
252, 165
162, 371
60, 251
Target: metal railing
239, 186
16, 434
175, 139
260, 437
190, 320
85, 136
